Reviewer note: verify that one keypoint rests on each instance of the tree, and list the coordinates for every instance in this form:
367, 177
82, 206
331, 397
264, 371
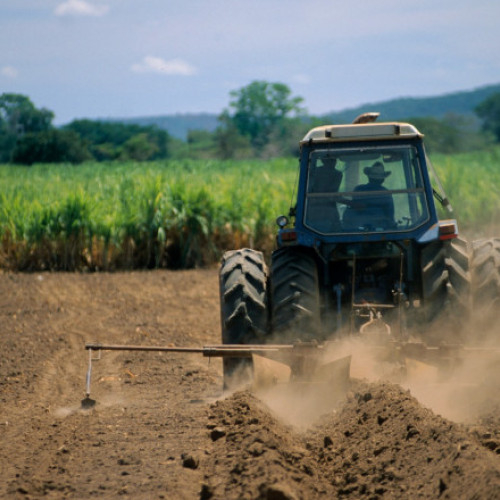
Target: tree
7, 143
112, 140
19, 116
259, 109
489, 112
230, 143
139, 148
50, 146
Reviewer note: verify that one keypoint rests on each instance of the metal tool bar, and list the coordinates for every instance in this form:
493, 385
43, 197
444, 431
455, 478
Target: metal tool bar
230, 350
225, 350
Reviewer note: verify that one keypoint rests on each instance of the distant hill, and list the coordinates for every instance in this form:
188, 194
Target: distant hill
462, 103
178, 125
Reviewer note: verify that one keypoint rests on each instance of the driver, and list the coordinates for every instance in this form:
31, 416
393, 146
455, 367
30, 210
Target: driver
376, 210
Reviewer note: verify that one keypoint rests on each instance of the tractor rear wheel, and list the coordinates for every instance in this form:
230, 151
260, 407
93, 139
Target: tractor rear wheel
459, 279
434, 280
485, 283
446, 287
295, 299
243, 303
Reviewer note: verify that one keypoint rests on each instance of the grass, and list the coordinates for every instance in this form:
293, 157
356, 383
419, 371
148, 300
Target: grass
177, 214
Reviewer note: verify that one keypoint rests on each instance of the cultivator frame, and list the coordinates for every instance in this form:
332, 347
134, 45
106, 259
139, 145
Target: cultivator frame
300, 357
311, 362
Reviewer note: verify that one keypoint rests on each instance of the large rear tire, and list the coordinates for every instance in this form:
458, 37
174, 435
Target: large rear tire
243, 304
434, 280
485, 269
446, 289
458, 257
295, 299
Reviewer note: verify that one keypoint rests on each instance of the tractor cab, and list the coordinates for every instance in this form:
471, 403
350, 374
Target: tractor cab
364, 182
365, 214
375, 189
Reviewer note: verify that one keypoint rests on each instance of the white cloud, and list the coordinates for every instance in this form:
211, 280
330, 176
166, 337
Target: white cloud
77, 8
152, 64
9, 71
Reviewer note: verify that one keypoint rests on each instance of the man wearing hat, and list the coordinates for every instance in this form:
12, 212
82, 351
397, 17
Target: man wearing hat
376, 210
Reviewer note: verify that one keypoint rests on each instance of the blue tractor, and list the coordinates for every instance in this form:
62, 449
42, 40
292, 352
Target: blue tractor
362, 252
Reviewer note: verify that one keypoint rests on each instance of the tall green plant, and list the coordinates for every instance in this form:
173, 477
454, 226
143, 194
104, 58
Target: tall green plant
126, 215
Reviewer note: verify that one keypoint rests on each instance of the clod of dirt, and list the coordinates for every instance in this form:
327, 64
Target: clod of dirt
206, 492
217, 433
190, 461
280, 491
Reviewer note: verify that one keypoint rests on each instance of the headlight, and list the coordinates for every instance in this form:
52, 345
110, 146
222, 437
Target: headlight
282, 221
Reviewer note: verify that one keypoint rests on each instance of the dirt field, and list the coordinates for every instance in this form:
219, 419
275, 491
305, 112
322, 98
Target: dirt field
162, 427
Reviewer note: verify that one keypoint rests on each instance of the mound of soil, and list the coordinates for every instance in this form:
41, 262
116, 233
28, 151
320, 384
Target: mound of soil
381, 442
162, 428
384, 442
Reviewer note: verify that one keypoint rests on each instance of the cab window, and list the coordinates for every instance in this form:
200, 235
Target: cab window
365, 190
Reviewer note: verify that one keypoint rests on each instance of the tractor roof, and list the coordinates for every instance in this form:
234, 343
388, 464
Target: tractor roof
362, 132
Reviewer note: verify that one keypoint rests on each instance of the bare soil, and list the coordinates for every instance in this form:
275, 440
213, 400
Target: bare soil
162, 427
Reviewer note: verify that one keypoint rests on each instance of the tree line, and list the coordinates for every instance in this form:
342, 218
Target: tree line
262, 120
27, 136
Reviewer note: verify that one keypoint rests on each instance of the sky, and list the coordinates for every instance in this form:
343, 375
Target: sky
130, 58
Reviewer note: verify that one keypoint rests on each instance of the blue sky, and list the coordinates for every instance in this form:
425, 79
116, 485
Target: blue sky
125, 58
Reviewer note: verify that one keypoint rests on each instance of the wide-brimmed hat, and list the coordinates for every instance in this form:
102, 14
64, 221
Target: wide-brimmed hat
376, 171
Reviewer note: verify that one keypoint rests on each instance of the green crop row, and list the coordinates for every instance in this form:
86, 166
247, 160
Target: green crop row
472, 183
180, 213
129, 215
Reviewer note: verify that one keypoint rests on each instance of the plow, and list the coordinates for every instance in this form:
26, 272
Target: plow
363, 263
322, 368
300, 362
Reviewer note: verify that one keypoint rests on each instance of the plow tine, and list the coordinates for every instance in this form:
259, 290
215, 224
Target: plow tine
267, 372
337, 371
87, 402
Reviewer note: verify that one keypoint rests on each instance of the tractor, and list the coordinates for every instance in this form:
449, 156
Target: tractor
362, 256
362, 253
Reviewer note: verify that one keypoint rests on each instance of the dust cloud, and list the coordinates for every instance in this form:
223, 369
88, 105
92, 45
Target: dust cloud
299, 404
461, 389
465, 386
467, 389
